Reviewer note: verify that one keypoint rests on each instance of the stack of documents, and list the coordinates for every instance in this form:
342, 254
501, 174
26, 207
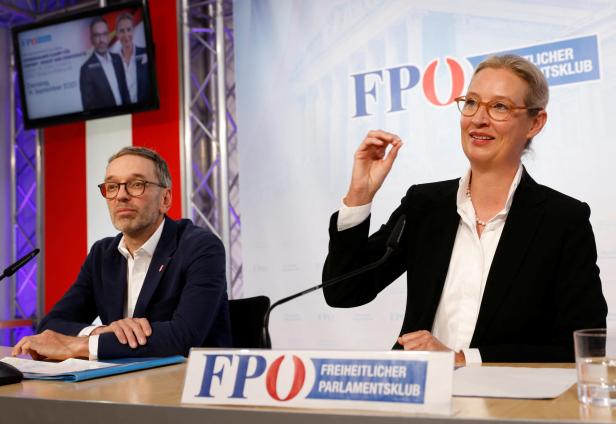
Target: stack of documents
80, 369
512, 382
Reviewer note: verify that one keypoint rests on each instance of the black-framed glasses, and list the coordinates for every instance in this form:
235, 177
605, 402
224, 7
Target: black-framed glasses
134, 188
499, 110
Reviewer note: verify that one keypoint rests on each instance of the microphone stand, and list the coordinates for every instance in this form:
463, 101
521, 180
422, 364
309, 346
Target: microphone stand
8, 373
392, 244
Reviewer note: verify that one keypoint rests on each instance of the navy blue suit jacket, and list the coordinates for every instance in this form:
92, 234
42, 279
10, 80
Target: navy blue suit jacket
144, 89
184, 294
95, 89
543, 283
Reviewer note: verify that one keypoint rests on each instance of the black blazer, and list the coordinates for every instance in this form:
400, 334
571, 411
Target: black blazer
184, 294
95, 89
543, 283
144, 89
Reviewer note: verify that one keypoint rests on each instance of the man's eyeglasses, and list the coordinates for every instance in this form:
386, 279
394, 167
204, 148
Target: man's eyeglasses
499, 110
100, 34
134, 188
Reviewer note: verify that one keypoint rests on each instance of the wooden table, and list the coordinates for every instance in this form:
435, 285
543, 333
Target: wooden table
153, 396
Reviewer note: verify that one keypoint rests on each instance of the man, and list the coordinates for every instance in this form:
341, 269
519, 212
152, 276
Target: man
159, 287
134, 59
102, 80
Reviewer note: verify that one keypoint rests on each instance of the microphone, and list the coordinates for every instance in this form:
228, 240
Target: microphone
392, 244
21, 262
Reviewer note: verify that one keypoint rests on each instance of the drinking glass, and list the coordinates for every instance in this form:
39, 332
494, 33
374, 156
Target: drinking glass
595, 357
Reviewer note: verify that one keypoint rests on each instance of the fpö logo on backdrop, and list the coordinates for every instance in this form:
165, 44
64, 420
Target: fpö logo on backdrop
562, 62
33, 41
236, 377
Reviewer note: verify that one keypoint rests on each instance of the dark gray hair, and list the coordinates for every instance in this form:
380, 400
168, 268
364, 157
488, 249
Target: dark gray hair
161, 168
95, 21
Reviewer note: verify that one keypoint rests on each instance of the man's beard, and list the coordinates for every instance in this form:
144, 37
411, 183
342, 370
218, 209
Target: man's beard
131, 226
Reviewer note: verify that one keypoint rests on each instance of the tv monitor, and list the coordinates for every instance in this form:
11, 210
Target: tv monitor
88, 65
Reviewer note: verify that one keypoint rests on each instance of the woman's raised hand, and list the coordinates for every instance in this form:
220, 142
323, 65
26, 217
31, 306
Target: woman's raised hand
371, 165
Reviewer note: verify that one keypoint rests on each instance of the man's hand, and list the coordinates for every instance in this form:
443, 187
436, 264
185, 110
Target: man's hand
133, 331
52, 345
371, 166
424, 340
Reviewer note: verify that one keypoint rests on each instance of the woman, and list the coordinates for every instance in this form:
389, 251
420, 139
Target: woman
499, 268
135, 60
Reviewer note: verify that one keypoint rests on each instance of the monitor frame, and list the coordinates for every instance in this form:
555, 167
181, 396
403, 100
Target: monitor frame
152, 104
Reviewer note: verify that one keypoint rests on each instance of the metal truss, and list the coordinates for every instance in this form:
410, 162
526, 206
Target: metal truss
25, 160
12, 13
25, 293
212, 189
24, 199
18, 12
212, 167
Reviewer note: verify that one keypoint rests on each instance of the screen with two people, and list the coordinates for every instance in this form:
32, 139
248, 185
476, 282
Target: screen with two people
98, 63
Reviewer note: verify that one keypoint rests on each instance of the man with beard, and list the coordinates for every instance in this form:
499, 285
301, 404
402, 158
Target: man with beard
159, 286
102, 81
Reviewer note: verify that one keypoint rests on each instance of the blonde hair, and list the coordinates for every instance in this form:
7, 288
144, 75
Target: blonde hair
125, 16
537, 94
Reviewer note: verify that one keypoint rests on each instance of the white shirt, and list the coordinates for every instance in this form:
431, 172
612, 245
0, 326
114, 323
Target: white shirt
130, 70
138, 264
107, 65
471, 259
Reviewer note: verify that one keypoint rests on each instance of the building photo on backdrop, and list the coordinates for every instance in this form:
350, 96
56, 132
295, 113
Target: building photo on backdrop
314, 77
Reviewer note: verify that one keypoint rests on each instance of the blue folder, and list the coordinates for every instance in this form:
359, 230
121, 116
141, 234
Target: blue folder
124, 365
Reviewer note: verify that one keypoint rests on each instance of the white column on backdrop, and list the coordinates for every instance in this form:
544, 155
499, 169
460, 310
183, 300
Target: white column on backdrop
104, 137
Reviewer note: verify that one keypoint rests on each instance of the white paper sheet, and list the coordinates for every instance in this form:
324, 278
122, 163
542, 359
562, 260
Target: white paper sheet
512, 382
54, 368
